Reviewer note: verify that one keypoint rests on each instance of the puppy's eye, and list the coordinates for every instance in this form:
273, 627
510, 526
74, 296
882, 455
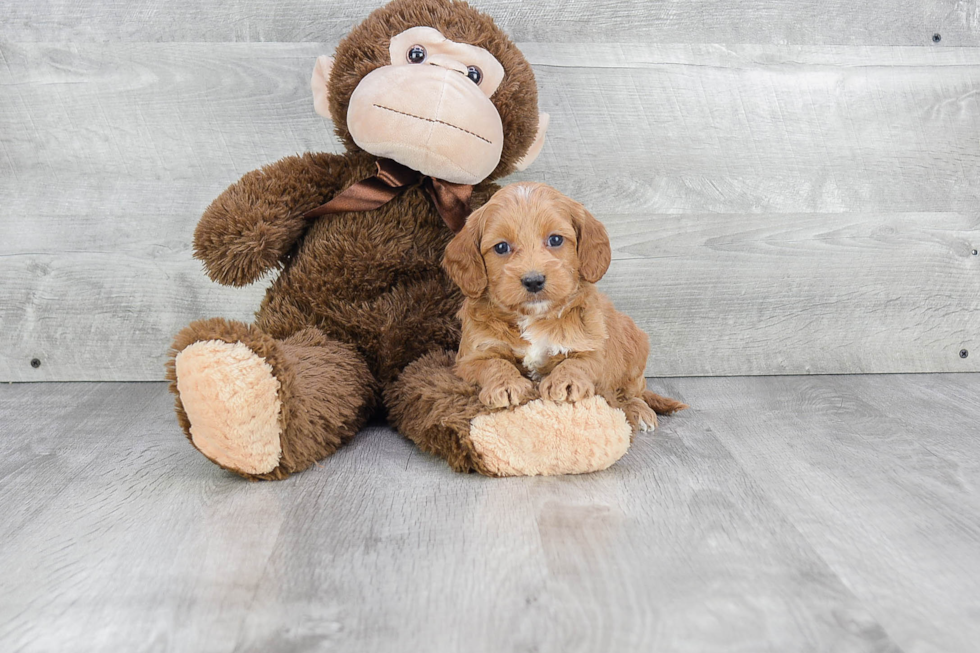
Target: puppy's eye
417, 54
475, 74
555, 240
501, 248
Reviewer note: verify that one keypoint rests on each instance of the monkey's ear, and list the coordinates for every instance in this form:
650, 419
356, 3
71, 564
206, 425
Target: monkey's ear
319, 84
532, 152
463, 260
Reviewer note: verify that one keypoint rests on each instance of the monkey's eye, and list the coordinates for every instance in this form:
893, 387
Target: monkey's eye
501, 248
416, 54
554, 240
475, 74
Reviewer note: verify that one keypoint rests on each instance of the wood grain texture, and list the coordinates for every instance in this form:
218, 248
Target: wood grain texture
880, 475
807, 293
665, 129
717, 294
754, 129
774, 209
105, 315
895, 22
792, 530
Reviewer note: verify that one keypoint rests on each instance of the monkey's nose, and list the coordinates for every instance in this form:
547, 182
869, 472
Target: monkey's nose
533, 281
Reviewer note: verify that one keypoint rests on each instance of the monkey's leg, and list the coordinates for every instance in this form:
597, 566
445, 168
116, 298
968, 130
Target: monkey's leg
443, 415
265, 408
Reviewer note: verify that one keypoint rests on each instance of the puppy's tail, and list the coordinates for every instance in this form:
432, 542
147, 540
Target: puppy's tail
662, 405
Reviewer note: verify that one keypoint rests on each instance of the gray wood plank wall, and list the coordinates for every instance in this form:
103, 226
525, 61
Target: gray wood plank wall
790, 187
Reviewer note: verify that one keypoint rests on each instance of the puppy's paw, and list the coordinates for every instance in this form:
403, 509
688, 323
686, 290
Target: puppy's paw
562, 385
512, 392
640, 416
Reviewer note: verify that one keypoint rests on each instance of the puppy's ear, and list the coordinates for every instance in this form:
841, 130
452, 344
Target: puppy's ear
463, 260
594, 251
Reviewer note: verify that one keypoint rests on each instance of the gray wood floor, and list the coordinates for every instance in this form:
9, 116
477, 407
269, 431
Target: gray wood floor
820, 513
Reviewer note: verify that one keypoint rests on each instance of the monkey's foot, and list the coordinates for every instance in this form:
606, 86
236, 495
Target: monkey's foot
443, 414
231, 398
547, 438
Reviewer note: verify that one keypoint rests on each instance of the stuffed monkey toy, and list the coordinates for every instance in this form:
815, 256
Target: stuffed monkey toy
433, 102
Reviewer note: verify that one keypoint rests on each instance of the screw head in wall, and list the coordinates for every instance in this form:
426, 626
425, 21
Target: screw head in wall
937, 37
964, 353
35, 363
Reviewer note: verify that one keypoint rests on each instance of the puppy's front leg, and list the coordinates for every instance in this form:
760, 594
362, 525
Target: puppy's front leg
573, 379
501, 383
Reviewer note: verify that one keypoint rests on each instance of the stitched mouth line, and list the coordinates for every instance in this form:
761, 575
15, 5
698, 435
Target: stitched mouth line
441, 122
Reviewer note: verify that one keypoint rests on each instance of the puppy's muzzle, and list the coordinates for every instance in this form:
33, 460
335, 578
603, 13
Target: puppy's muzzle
533, 282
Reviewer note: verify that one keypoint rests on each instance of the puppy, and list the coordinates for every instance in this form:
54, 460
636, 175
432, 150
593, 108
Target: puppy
527, 262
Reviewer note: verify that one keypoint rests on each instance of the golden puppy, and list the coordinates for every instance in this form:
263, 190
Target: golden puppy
527, 262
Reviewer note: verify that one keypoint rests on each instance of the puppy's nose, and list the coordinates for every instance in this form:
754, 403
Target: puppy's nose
533, 281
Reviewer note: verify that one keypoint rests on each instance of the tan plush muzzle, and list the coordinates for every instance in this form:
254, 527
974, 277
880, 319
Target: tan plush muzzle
444, 126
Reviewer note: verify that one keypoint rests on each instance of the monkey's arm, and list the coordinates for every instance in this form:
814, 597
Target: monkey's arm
249, 228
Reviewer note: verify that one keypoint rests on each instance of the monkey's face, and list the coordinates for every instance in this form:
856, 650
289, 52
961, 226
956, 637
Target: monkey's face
436, 86
430, 108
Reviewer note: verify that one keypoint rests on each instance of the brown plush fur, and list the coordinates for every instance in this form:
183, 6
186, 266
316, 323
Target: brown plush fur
434, 407
567, 335
359, 296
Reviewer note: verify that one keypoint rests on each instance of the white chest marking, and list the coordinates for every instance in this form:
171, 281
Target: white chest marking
541, 349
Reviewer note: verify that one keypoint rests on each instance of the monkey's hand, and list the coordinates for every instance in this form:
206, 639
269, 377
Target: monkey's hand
250, 227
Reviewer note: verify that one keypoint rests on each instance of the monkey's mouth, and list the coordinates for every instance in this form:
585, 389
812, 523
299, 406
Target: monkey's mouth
440, 122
